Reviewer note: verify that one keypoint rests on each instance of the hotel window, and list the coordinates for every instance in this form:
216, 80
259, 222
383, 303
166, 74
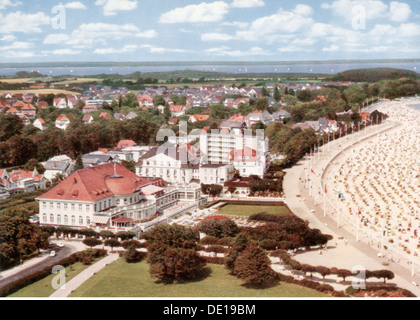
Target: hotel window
88, 221
80, 207
51, 205
73, 207
65, 206
73, 220
66, 219
44, 205
51, 218
80, 220
44, 217
58, 205
59, 218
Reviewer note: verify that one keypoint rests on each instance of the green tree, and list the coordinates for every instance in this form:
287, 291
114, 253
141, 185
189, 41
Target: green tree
254, 267
276, 94
92, 242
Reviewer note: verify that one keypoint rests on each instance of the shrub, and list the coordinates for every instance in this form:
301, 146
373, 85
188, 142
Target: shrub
125, 235
131, 244
219, 228
92, 242
133, 256
112, 242
254, 267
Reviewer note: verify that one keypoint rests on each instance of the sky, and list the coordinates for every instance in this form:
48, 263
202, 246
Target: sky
208, 30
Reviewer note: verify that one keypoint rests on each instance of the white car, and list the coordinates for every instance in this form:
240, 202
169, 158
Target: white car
52, 253
60, 244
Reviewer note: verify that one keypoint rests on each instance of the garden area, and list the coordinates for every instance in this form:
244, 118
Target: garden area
248, 210
122, 279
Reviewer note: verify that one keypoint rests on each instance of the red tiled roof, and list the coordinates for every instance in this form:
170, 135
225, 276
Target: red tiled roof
96, 183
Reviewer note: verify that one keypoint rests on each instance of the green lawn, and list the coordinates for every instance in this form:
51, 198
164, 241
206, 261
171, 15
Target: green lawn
43, 288
121, 279
244, 210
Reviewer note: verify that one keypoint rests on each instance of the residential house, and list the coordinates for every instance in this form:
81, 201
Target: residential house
62, 122
60, 103
260, 116
87, 119
89, 108
95, 158
24, 181
177, 110
198, 118
249, 162
40, 124
281, 115
58, 165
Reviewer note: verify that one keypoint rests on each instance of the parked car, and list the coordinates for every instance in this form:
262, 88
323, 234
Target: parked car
52, 253
60, 244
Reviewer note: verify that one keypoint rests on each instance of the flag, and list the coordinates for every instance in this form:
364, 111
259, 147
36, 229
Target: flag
325, 189
415, 233
358, 212
312, 170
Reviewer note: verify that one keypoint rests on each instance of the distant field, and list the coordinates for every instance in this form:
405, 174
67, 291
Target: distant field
38, 91
17, 80
244, 210
121, 279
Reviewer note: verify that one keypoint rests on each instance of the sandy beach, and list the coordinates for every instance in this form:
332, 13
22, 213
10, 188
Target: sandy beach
375, 222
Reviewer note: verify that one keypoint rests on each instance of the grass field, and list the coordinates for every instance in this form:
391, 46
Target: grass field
121, 279
38, 91
43, 288
244, 210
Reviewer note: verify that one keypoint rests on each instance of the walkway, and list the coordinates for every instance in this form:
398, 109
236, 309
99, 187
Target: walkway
352, 253
74, 283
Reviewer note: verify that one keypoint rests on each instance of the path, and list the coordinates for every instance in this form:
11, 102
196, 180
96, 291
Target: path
74, 283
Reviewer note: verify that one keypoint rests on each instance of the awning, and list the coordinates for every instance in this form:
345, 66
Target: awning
100, 220
151, 189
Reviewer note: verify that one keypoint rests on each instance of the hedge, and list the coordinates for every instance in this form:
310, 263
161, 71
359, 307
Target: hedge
36, 276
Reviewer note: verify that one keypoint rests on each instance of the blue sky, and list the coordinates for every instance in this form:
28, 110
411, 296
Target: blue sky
208, 30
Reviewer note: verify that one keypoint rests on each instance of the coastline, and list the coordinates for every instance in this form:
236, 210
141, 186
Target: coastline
352, 247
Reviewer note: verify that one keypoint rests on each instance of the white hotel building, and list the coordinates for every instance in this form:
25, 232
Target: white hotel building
109, 196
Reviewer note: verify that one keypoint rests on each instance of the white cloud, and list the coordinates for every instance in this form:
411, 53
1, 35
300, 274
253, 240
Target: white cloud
111, 7
154, 49
7, 3
88, 34
216, 37
238, 24
8, 38
18, 45
229, 52
148, 34
66, 52
56, 38
203, 12
75, 5
399, 12
125, 49
22, 22
345, 8
247, 3
282, 22
20, 54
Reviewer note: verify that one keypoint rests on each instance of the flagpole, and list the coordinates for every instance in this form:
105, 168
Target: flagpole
325, 192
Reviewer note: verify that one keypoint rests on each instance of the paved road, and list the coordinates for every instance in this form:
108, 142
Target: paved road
30, 267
